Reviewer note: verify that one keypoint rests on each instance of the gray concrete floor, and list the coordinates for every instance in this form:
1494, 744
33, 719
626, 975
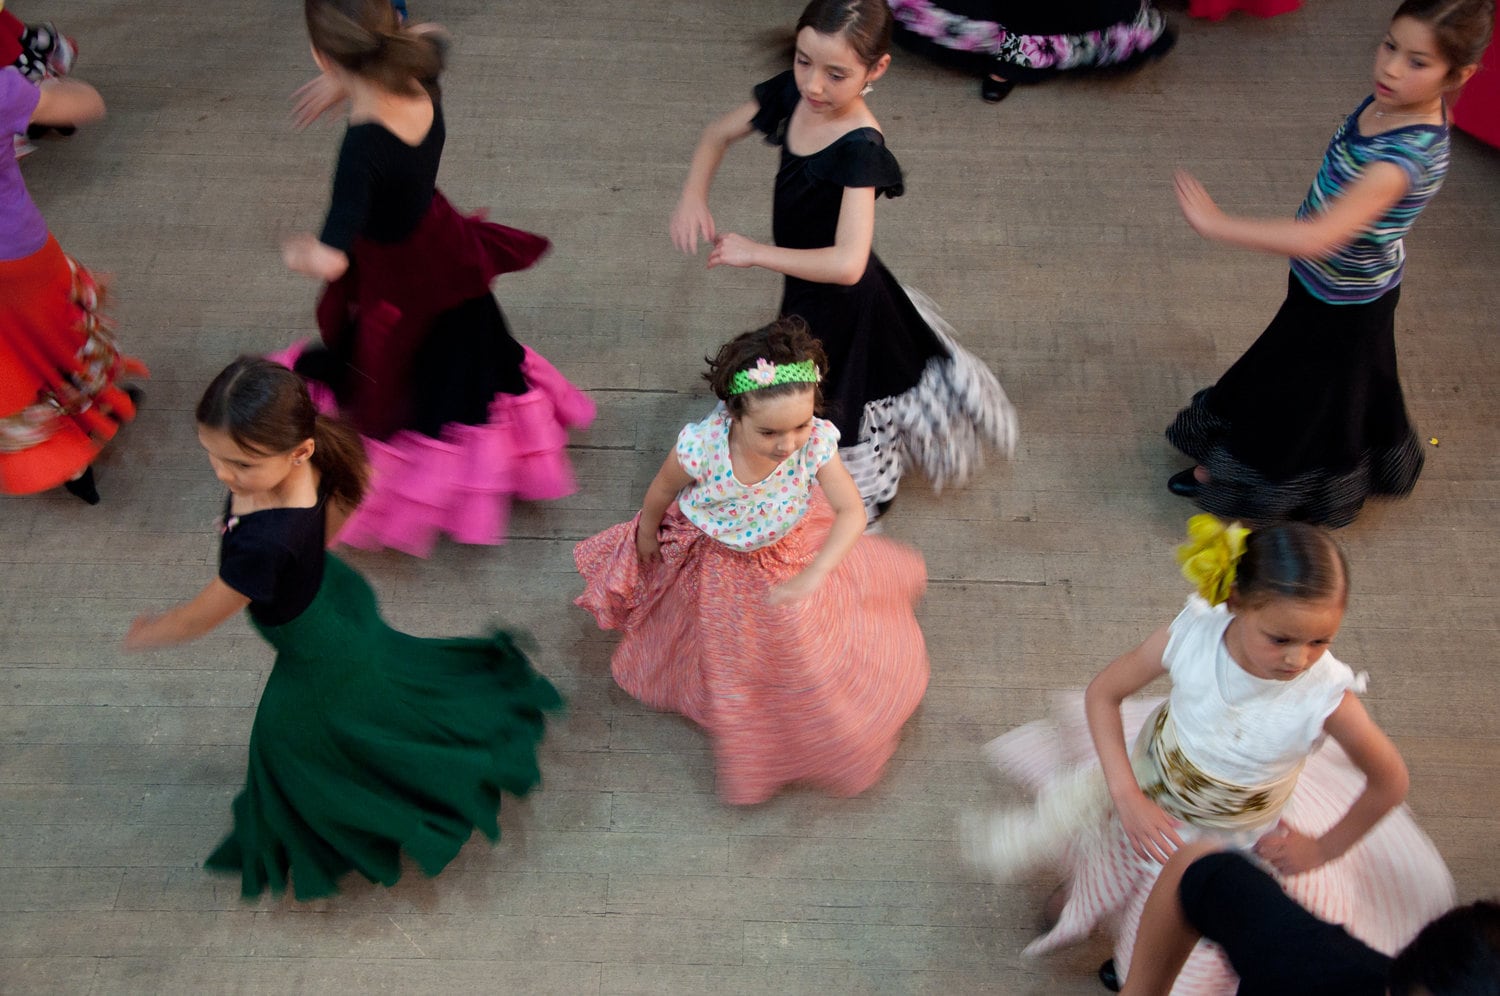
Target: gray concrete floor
1047, 230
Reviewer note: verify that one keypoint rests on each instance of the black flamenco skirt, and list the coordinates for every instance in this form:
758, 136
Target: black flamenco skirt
1310, 422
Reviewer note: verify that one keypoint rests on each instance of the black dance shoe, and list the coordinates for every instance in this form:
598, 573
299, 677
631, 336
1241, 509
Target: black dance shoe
993, 91
1109, 977
83, 487
1185, 483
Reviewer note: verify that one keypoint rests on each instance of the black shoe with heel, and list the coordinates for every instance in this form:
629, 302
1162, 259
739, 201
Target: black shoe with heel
83, 487
1109, 977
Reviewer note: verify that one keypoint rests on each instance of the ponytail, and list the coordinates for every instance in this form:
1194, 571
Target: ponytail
366, 38
339, 456
264, 407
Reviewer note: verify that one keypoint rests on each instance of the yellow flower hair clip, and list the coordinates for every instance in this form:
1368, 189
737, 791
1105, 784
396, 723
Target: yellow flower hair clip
1210, 556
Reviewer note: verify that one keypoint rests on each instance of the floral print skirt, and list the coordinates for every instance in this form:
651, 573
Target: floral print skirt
989, 37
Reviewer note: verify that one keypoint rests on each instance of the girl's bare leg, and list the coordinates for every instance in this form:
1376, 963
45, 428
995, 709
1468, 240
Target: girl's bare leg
1165, 938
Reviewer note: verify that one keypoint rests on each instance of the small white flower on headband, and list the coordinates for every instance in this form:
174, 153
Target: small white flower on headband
763, 373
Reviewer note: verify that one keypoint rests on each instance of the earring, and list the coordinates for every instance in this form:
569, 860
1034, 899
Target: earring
869, 88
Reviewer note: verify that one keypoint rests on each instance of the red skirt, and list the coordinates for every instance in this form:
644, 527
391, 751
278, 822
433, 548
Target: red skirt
1217, 10
60, 372
1478, 109
816, 691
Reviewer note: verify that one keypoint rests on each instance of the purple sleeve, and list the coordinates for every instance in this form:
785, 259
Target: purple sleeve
18, 100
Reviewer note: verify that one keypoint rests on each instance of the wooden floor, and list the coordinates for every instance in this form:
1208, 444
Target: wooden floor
1047, 230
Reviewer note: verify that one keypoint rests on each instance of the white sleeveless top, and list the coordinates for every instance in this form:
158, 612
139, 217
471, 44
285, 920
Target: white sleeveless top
1233, 725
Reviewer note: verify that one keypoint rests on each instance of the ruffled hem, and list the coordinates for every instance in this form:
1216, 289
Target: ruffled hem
942, 427
979, 44
369, 744
462, 483
1235, 490
1383, 890
815, 692
58, 352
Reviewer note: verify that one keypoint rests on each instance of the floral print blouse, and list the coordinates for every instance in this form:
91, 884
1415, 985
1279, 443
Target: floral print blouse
747, 516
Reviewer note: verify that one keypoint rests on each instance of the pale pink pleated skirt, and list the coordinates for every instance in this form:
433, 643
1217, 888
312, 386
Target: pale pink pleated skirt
814, 692
1383, 890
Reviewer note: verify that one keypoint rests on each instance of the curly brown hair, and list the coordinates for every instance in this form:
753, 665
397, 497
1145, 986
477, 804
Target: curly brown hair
786, 340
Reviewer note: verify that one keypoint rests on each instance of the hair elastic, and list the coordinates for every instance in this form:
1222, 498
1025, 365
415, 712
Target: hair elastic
768, 374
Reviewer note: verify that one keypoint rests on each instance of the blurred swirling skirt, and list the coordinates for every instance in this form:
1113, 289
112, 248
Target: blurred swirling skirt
368, 743
816, 691
1217, 10
459, 418
1383, 889
1027, 42
61, 398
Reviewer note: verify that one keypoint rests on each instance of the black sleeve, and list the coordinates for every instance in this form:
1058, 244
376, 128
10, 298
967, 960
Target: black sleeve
777, 97
251, 564
353, 190
861, 159
1274, 944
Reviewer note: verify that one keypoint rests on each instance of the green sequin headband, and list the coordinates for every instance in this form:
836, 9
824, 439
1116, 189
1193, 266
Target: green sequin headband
768, 374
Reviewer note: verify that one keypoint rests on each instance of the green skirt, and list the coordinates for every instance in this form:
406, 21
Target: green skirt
368, 742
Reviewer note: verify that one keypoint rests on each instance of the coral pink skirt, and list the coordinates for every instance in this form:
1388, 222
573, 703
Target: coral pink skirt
815, 691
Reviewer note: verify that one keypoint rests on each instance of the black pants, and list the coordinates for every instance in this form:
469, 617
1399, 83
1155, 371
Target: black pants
1276, 946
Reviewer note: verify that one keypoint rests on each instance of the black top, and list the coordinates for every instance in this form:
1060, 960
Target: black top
274, 557
810, 189
878, 345
382, 187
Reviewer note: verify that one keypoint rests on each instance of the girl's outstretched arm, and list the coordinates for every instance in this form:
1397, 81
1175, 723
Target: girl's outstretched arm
1151, 830
304, 254
691, 218
1380, 187
316, 98
848, 524
843, 262
67, 102
664, 489
1386, 782
188, 621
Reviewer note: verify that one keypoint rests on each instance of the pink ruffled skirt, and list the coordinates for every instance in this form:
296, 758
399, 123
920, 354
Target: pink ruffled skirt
462, 483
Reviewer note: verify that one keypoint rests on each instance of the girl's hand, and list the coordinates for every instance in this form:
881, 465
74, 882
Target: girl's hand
794, 589
1289, 851
304, 254
1202, 214
316, 98
139, 635
732, 250
1152, 832
691, 219
647, 546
